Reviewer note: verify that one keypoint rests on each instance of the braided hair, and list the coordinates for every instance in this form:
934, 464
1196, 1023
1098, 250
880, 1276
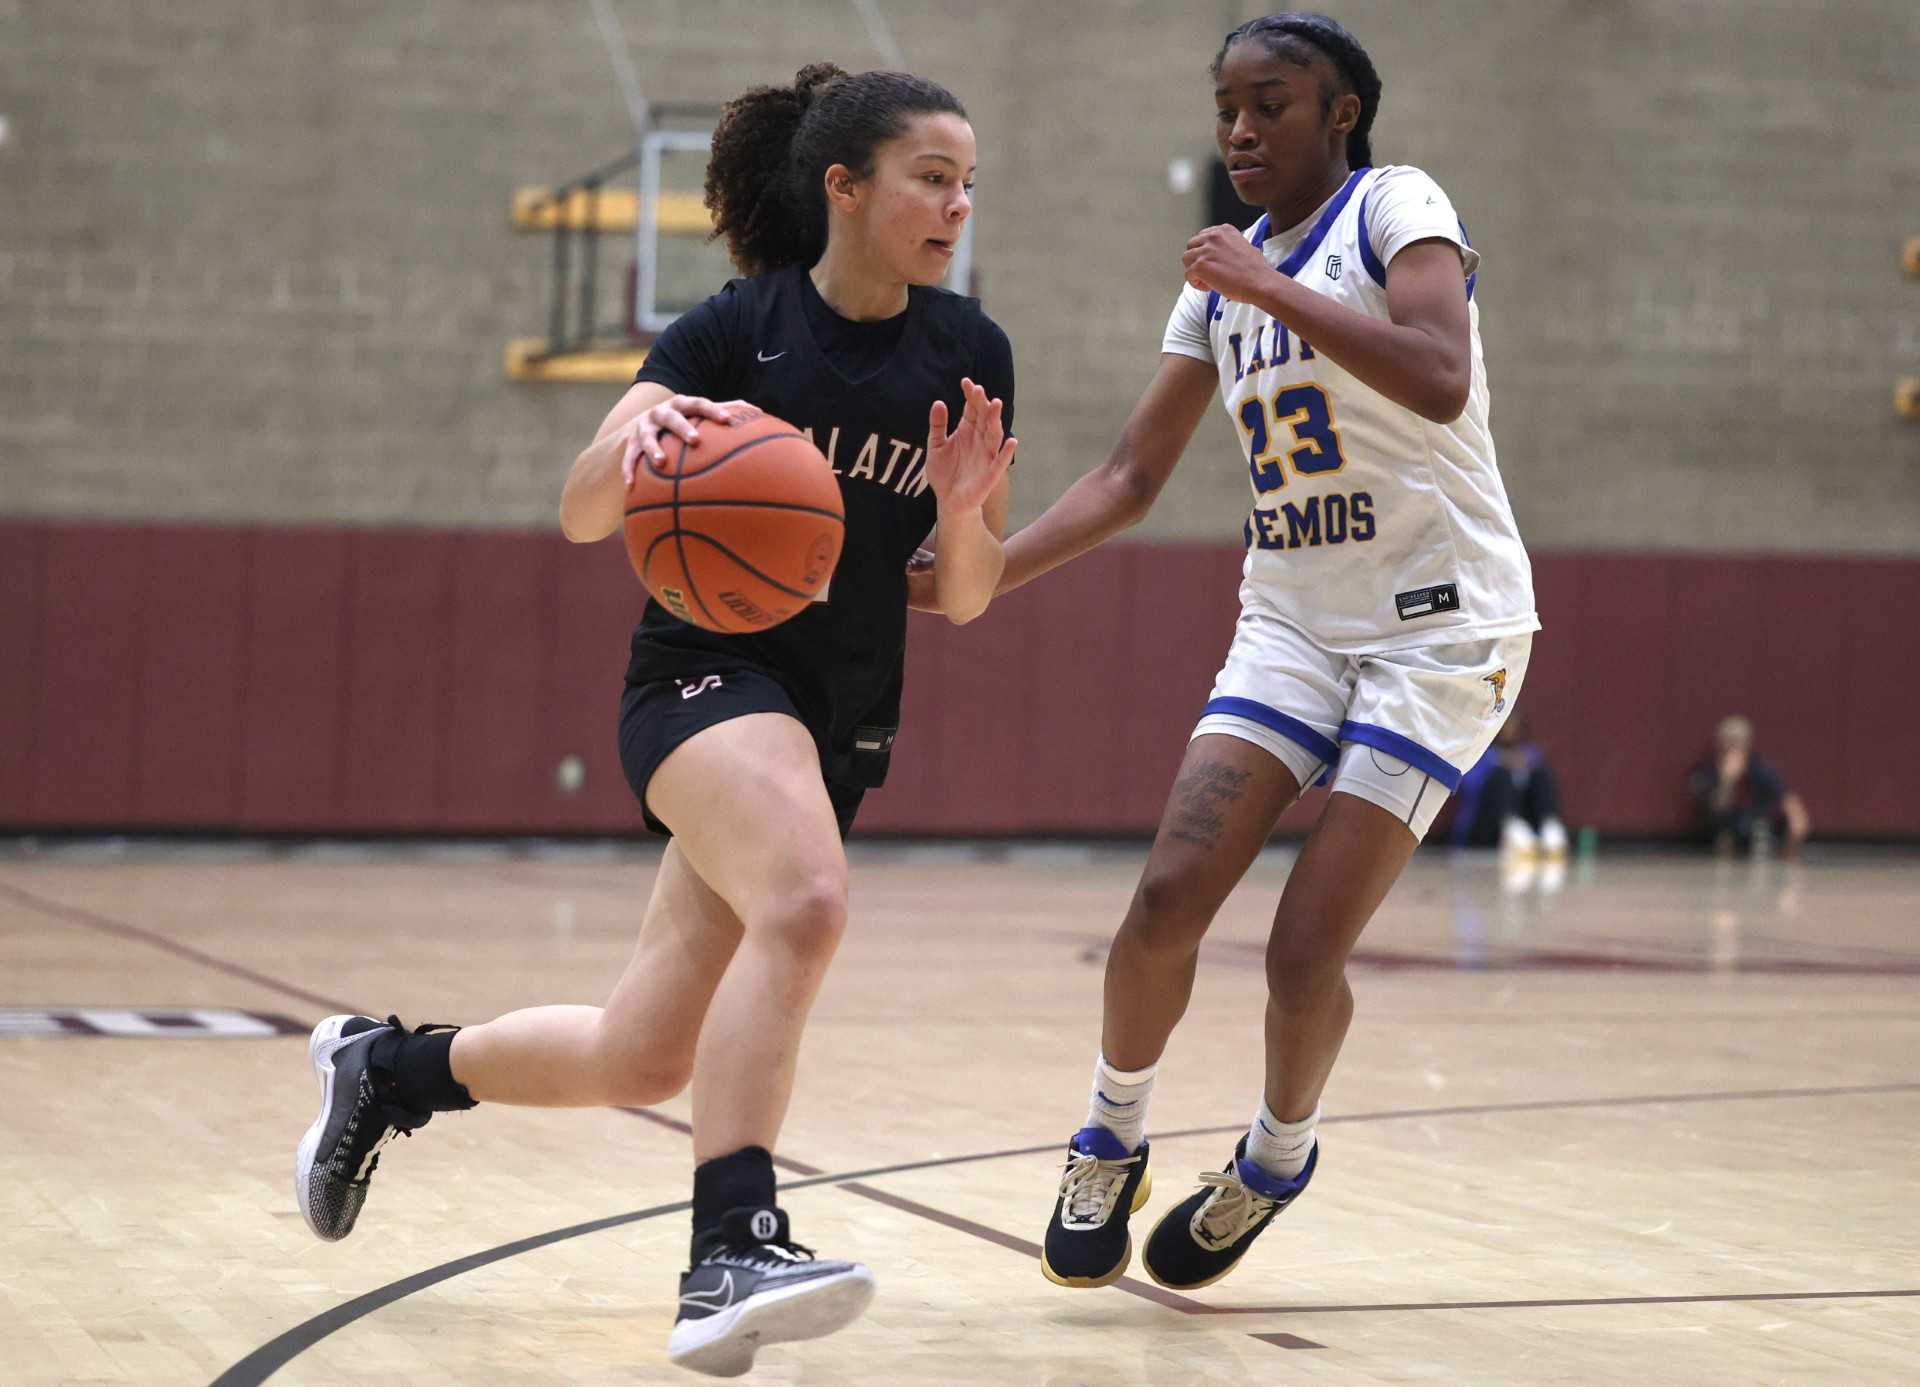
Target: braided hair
1300, 36
773, 146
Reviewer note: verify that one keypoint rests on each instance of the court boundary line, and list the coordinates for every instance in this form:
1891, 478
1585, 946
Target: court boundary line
107, 924
277, 1352
1597, 1302
269, 1358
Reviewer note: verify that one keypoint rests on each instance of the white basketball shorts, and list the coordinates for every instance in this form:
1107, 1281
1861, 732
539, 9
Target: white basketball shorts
1398, 729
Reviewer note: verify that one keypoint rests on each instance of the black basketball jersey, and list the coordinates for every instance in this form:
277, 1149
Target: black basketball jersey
759, 339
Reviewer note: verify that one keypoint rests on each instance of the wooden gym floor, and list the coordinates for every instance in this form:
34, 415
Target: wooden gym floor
1655, 1123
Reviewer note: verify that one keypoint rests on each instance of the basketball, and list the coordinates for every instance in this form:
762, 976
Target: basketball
738, 532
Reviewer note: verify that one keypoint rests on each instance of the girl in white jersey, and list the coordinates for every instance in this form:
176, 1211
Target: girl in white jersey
1386, 614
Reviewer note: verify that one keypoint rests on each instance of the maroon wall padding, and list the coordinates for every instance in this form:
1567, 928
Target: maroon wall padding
1874, 701
392, 680
1642, 654
398, 610
292, 728
192, 676
1068, 704
86, 731
593, 602
22, 612
491, 713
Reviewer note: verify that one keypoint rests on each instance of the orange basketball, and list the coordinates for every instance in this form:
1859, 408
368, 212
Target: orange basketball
738, 532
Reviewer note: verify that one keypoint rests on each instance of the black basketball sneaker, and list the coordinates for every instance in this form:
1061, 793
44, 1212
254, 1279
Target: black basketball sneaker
751, 1285
1104, 1183
1202, 1238
358, 1116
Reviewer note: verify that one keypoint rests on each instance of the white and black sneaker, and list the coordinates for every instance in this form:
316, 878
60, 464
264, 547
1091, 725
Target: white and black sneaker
752, 1285
358, 1116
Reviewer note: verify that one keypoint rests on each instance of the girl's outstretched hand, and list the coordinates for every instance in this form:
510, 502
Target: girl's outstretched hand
964, 466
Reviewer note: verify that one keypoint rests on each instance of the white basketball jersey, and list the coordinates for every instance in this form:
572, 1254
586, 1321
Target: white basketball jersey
1372, 528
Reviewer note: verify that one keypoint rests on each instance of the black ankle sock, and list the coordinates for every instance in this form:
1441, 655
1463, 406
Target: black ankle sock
742, 1180
422, 1070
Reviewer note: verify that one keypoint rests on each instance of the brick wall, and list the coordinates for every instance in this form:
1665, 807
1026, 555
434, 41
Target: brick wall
255, 261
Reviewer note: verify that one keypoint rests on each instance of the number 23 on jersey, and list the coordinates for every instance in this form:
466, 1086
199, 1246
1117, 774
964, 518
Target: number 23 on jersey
1297, 432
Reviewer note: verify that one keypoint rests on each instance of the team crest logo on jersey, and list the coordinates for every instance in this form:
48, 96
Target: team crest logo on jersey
1498, 681
1333, 267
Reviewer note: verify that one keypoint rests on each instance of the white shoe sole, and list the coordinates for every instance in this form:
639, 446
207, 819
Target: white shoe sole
320, 1048
723, 1345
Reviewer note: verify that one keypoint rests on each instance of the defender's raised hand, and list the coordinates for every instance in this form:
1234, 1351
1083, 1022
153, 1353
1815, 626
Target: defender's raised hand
964, 466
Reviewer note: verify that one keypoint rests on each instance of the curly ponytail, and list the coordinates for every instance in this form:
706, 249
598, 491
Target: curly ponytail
774, 145
1301, 36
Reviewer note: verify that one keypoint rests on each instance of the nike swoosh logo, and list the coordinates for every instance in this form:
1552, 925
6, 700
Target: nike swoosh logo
764, 357
720, 1297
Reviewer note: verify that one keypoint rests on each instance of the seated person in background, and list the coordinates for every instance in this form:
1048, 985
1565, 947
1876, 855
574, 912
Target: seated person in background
1743, 800
1511, 797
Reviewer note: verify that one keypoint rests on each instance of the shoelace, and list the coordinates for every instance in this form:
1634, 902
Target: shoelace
372, 1161
1232, 1209
392, 1118
1091, 1185
764, 1256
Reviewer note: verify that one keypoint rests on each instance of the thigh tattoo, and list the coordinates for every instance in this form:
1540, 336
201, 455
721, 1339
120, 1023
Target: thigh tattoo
1200, 800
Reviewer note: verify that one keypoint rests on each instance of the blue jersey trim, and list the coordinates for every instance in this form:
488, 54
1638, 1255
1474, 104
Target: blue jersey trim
1371, 259
1292, 729
1466, 797
1380, 739
1304, 252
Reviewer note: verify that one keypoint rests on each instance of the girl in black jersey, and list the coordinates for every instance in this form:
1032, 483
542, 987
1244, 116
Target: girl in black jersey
841, 199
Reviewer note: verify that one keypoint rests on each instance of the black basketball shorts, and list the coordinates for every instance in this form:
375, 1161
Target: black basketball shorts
656, 717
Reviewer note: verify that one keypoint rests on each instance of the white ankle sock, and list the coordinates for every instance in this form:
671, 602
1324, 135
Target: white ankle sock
1119, 1101
1280, 1148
